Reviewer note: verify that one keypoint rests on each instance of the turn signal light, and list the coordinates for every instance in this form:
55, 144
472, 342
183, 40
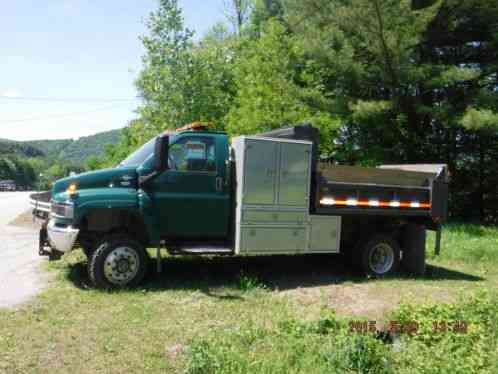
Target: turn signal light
72, 189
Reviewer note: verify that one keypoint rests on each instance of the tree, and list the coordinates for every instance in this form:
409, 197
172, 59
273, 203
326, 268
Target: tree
273, 90
180, 82
237, 12
412, 82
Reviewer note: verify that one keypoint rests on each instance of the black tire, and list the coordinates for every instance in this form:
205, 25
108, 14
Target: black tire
118, 262
413, 261
372, 261
88, 244
88, 249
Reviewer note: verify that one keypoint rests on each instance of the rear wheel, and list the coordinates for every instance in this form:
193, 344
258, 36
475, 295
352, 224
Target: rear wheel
380, 256
118, 262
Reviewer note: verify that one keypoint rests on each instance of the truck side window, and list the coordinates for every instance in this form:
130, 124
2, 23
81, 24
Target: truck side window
193, 154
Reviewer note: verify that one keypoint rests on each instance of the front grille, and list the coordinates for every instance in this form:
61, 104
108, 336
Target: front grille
65, 210
59, 209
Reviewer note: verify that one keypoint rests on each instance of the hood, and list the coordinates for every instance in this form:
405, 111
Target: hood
125, 177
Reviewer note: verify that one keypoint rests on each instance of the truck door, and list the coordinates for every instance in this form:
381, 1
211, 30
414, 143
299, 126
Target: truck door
191, 197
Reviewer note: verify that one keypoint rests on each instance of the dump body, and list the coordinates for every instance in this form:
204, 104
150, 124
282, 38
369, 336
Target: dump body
401, 190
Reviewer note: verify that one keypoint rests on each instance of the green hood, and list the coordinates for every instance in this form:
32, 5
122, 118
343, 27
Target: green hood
124, 177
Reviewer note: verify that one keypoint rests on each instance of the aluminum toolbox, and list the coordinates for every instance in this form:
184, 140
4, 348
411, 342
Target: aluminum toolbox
272, 239
324, 234
272, 194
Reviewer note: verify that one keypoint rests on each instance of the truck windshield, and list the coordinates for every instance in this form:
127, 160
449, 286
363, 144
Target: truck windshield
140, 155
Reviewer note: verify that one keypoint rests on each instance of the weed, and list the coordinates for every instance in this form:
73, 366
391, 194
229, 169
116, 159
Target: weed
247, 282
327, 346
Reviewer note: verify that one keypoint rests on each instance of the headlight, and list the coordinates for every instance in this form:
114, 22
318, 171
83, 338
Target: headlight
63, 209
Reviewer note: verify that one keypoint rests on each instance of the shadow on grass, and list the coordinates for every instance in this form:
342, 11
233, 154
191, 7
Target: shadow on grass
206, 274
439, 273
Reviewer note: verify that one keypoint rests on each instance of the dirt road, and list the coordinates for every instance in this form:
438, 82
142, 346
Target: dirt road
20, 275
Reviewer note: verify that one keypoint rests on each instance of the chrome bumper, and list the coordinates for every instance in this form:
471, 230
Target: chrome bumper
61, 238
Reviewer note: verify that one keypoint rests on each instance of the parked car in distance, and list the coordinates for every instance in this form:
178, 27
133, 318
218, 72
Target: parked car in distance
8, 185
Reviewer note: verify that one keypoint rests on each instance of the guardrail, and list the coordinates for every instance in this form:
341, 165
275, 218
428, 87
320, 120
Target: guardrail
40, 202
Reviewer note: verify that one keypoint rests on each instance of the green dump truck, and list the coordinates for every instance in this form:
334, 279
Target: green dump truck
194, 192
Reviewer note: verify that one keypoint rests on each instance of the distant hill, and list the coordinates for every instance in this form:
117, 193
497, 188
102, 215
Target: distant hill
50, 148
18, 149
76, 150
40, 162
61, 149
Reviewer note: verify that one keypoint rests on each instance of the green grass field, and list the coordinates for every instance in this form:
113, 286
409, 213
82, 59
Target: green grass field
264, 315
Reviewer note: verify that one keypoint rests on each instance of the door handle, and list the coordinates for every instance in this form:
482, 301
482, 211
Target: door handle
219, 184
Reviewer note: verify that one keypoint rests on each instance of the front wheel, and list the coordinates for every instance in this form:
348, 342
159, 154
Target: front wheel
118, 262
380, 256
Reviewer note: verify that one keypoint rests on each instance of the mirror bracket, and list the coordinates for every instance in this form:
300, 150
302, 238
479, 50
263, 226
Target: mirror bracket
144, 179
161, 151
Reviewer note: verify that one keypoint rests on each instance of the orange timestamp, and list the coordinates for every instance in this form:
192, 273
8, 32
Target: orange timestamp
408, 327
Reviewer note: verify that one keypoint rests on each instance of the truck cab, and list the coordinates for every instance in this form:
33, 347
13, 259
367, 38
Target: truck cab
191, 192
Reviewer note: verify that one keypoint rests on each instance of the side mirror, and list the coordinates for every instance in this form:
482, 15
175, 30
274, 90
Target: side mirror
161, 151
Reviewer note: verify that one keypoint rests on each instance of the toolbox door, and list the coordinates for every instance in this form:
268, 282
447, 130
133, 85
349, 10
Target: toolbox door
259, 172
294, 174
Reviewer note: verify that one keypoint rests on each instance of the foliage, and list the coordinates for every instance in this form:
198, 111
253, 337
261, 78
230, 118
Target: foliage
479, 118
17, 169
85, 146
51, 148
414, 82
327, 345
464, 334
238, 12
247, 282
272, 91
13, 148
36, 164
181, 82
321, 346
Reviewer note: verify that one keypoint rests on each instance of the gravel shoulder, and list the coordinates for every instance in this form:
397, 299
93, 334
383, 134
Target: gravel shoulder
20, 273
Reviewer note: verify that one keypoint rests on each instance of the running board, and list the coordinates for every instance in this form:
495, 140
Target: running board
202, 250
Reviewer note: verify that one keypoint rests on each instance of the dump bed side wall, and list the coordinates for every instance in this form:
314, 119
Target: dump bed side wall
398, 190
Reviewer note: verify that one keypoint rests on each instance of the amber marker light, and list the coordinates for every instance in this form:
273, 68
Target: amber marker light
72, 189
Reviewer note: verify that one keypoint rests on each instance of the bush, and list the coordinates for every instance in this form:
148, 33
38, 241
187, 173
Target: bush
327, 346
322, 346
452, 338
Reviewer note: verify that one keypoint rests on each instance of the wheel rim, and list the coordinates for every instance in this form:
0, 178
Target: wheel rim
121, 265
381, 258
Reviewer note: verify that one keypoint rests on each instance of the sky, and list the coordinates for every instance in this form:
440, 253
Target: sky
67, 67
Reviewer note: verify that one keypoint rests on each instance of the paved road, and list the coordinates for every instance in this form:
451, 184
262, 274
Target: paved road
20, 275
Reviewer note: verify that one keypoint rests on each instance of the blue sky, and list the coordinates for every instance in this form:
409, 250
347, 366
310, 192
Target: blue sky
76, 49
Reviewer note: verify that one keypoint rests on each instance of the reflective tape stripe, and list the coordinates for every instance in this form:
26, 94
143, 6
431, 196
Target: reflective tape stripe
327, 201
375, 203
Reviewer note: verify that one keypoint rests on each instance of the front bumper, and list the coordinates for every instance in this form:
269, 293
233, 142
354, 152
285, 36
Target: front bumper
61, 238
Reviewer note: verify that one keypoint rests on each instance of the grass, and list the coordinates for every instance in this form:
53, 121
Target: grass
265, 314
